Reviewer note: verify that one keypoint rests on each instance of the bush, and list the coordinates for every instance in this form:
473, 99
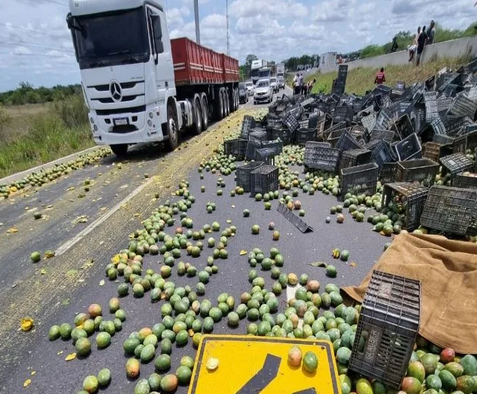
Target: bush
72, 111
5, 119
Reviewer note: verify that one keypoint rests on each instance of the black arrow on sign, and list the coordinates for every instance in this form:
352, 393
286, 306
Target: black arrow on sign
263, 377
307, 391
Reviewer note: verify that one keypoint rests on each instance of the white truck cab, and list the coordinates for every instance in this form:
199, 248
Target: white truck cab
124, 53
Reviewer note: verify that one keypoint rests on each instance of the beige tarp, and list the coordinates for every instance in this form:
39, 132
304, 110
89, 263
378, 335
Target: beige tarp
448, 274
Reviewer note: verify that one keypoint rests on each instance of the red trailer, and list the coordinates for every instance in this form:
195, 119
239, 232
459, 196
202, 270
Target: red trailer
195, 64
207, 79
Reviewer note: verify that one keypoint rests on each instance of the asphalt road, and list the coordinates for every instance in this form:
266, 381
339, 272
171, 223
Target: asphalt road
55, 290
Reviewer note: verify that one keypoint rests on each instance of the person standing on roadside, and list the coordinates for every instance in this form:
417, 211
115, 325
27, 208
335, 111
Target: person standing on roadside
295, 83
421, 41
431, 33
380, 77
302, 85
413, 47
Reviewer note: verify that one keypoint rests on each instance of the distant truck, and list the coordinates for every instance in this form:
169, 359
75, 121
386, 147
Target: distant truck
139, 85
255, 69
281, 75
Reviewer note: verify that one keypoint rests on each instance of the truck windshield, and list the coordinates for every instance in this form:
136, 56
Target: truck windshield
101, 40
264, 73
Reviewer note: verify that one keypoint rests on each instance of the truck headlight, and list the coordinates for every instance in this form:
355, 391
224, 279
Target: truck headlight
151, 115
95, 128
149, 123
91, 120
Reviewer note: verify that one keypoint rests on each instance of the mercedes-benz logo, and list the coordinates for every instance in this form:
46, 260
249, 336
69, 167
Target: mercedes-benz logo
116, 92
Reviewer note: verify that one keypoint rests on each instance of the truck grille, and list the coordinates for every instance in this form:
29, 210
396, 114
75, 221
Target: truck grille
106, 112
106, 95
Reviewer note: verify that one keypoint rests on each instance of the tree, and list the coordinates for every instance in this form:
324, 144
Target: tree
249, 59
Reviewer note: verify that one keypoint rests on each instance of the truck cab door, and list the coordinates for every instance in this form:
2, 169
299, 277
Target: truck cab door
161, 52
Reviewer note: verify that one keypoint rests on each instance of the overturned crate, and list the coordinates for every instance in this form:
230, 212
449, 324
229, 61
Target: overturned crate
451, 210
387, 328
465, 180
455, 164
302, 136
242, 174
321, 156
407, 200
387, 173
236, 148
381, 152
355, 157
423, 171
409, 148
360, 179
264, 179
434, 151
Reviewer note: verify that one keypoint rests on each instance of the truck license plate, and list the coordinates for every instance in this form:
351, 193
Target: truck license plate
121, 122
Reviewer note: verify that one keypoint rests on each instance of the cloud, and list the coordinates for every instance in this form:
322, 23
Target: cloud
274, 9
333, 10
22, 51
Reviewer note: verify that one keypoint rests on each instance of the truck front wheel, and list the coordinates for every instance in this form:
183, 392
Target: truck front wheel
172, 131
120, 150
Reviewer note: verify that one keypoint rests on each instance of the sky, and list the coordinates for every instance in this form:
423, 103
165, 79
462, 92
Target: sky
35, 44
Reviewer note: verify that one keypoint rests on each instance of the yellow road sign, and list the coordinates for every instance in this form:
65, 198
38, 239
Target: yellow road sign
259, 365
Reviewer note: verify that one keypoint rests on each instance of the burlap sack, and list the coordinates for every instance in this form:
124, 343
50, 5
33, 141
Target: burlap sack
448, 274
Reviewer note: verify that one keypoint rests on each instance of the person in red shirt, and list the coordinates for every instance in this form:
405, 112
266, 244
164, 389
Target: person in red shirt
380, 77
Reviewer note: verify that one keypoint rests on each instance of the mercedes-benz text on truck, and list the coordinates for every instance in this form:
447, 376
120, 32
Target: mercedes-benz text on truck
139, 85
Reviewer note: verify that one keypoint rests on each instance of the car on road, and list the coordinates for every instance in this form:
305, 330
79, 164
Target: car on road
263, 91
243, 93
250, 87
274, 84
281, 83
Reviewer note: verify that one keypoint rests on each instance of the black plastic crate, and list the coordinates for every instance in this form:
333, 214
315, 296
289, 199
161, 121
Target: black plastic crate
387, 328
242, 174
258, 134
462, 106
451, 210
455, 164
443, 139
280, 133
264, 179
455, 125
430, 100
403, 127
302, 136
369, 122
343, 114
385, 135
387, 173
347, 142
465, 180
321, 156
236, 148
412, 198
381, 152
355, 157
335, 135
268, 151
409, 148
361, 179
434, 151
248, 124
291, 122
423, 171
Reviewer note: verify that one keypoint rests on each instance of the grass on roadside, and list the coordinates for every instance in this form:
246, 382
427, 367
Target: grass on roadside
361, 80
61, 130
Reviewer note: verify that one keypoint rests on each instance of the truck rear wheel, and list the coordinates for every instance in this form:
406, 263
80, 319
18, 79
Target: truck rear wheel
221, 112
205, 113
120, 150
172, 131
197, 127
227, 103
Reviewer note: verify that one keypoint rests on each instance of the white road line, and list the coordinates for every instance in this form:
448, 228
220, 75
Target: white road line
69, 244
